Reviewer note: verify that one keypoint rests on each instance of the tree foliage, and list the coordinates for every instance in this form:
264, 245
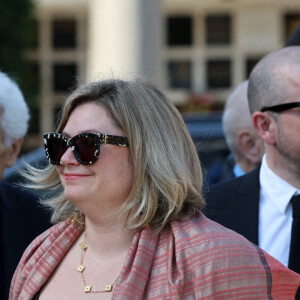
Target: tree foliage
16, 37
16, 18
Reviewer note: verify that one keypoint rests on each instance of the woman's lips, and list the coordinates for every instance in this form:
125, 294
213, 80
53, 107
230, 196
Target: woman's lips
72, 176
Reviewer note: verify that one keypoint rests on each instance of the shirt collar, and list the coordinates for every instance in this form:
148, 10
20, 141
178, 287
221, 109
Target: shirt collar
276, 189
238, 171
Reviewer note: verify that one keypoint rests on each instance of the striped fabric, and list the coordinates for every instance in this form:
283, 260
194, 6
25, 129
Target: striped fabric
195, 259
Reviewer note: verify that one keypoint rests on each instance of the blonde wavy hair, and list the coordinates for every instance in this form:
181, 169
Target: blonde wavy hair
167, 173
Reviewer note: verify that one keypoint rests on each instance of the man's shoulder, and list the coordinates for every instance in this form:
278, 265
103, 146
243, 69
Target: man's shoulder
231, 187
13, 189
10, 193
233, 202
18, 203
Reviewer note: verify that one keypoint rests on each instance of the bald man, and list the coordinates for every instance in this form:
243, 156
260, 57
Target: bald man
264, 205
242, 139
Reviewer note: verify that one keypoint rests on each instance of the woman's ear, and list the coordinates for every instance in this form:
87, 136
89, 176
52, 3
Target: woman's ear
13, 153
265, 126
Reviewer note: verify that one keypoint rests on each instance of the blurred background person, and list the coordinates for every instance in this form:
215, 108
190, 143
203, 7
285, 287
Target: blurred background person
21, 218
245, 145
238, 129
244, 142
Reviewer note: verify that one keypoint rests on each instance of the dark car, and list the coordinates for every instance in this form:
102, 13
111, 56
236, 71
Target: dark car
209, 139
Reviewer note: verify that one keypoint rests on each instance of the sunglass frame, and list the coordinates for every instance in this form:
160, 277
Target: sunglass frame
281, 107
101, 138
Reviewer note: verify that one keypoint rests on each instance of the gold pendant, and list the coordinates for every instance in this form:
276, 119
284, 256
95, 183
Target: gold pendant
74, 218
83, 245
80, 268
87, 288
108, 288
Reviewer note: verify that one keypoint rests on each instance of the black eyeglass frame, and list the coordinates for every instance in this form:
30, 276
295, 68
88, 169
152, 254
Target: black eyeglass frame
281, 107
99, 138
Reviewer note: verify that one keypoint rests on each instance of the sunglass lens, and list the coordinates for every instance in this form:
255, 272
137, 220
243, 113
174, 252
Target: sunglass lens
56, 149
86, 149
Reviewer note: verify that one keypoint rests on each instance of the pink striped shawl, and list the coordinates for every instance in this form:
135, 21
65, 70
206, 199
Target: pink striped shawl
195, 259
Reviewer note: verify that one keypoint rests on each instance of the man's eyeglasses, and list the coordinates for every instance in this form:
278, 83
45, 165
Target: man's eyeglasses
85, 146
281, 107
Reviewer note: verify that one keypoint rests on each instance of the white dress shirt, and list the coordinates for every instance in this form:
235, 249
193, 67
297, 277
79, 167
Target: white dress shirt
275, 214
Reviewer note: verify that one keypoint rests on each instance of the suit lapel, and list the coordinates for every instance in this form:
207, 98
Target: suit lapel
248, 205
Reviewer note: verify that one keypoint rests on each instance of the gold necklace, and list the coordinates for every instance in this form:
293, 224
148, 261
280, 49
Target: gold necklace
88, 288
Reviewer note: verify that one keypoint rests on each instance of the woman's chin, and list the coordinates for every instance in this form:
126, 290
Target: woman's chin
74, 196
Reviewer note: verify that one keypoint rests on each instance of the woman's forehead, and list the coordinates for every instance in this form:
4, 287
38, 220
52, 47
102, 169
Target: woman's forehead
91, 117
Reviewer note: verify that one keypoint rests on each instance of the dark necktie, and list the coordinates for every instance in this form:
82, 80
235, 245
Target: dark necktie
294, 258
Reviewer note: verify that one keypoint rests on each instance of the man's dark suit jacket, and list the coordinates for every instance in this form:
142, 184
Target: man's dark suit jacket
235, 204
21, 220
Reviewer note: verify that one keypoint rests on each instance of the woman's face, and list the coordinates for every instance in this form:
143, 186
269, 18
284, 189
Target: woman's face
106, 183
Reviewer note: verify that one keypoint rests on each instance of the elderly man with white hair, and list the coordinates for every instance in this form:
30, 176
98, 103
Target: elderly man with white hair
244, 142
14, 117
21, 218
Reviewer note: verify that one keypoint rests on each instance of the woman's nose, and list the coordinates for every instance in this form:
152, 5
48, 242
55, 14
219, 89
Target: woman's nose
69, 158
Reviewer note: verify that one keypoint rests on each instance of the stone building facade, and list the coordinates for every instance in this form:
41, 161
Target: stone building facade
185, 46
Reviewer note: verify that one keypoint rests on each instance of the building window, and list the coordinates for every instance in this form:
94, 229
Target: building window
250, 64
63, 34
218, 73
179, 31
218, 30
292, 21
180, 74
64, 77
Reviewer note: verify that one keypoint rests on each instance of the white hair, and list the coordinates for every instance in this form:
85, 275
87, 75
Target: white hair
14, 112
236, 116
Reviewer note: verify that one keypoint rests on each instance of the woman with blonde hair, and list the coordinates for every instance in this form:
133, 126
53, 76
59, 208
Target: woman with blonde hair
128, 210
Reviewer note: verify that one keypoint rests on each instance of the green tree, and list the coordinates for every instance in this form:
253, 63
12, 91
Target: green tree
15, 25
17, 35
